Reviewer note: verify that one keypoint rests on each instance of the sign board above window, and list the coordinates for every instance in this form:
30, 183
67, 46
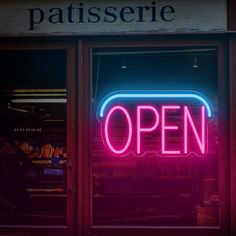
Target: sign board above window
64, 17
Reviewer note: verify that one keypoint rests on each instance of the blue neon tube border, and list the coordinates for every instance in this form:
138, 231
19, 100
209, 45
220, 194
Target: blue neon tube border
153, 94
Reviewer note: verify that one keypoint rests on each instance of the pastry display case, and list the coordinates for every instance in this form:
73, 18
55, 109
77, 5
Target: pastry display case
33, 138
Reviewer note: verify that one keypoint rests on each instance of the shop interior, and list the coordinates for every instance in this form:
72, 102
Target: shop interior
33, 137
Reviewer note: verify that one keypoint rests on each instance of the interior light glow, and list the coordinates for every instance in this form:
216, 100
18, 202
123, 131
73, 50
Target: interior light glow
39, 100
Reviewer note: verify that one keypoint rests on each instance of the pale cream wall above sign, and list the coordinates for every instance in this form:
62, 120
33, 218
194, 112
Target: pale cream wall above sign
64, 17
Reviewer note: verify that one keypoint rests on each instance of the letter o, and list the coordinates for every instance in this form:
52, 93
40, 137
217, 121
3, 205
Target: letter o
115, 108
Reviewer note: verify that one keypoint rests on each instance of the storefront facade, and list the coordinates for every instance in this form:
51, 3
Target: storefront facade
118, 118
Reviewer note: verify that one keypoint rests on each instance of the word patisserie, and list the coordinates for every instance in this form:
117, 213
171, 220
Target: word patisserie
81, 13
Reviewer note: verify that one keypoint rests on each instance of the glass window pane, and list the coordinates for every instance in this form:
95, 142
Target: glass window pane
155, 162
33, 137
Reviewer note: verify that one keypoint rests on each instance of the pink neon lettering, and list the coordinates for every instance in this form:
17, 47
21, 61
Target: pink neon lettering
107, 139
187, 117
149, 129
164, 127
192, 130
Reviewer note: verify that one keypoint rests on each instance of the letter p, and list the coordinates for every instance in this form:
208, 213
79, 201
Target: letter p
147, 129
36, 17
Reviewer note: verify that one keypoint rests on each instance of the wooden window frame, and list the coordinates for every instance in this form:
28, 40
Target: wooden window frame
79, 74
86, 131
232, 76
24, 44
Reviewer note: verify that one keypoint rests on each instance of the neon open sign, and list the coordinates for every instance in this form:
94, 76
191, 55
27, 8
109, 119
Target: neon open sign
168, 123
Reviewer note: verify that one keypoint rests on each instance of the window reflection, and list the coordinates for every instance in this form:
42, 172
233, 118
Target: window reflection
33, 137
154, 190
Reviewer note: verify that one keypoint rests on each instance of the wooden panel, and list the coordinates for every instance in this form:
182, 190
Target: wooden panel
233, 131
